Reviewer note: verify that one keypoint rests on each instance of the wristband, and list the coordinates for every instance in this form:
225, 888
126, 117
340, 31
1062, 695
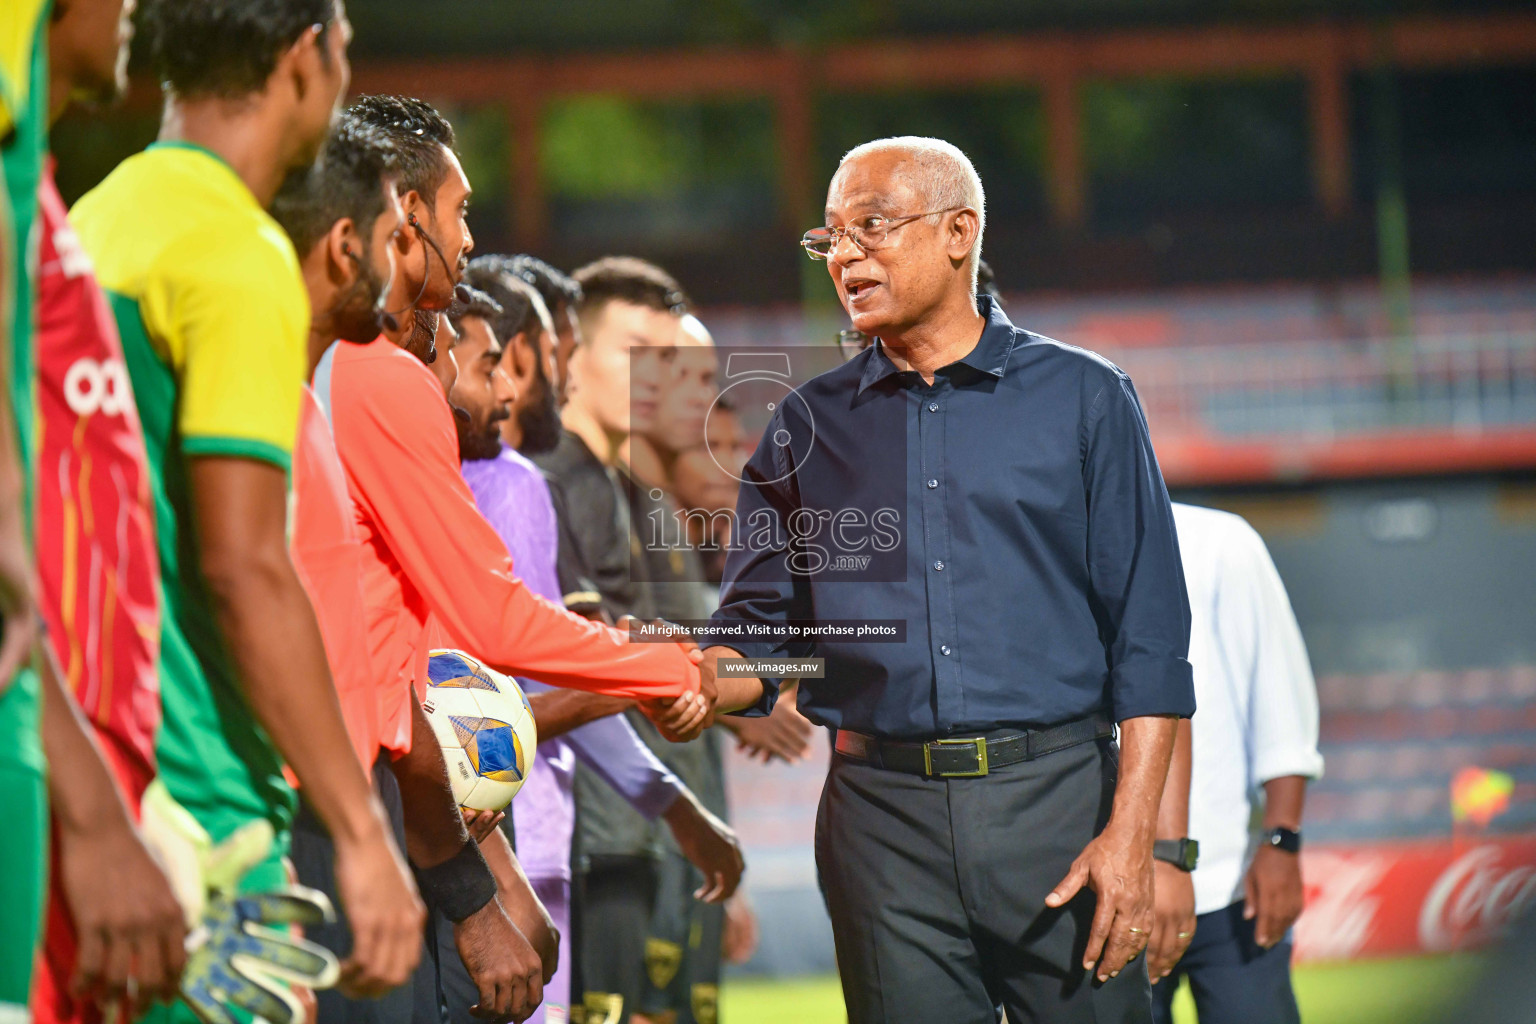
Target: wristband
460, 885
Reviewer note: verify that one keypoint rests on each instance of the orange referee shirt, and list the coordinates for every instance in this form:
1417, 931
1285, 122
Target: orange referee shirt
328, 554
427, 551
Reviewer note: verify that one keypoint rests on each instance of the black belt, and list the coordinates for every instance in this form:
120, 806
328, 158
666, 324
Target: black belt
972, 756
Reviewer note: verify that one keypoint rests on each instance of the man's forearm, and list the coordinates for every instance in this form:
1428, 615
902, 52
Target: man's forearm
1173, 810
732, 692
1283, 800
434, 829
87, 796
612, 749
521, 903
557, 712
1146, 747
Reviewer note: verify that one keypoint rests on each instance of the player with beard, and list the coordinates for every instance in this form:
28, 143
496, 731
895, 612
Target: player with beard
211, 308
512, 494
345, 216
429, 554
529, 362
629, 315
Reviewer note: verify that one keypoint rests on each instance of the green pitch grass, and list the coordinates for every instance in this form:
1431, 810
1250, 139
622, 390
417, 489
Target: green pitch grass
1363, 992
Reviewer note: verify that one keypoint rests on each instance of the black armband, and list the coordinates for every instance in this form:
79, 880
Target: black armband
460, 885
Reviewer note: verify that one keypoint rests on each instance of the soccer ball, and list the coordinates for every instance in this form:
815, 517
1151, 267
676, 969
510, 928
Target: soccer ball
485, 727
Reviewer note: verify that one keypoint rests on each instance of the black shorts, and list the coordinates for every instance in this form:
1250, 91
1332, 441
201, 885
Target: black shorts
611, 916
314, 862
682, 948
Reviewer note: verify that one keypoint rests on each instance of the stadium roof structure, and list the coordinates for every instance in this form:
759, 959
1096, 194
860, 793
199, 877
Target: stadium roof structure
498, 27
1324, 52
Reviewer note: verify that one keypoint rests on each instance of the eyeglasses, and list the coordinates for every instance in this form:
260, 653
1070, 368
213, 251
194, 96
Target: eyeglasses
868, 233
850, 343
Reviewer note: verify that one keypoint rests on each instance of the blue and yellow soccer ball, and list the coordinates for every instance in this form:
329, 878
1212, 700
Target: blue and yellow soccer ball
485, 726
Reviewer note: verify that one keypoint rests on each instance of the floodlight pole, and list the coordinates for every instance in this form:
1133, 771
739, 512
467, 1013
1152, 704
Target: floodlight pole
1392, 222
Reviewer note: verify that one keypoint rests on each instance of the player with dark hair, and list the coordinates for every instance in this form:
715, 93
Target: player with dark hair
479, 369
561, 295
348, 268
629, 316
434, 193
429, 554
526, 328
210, 303
228, 49
513, 495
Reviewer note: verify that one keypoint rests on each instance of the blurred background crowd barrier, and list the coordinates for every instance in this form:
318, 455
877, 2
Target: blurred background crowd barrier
1307, 228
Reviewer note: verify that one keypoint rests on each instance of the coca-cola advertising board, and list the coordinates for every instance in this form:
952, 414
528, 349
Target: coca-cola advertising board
1420, 897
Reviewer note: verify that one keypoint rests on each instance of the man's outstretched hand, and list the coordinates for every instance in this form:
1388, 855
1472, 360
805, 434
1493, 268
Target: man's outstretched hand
709, 844
680, 719
1117, 866
784, 733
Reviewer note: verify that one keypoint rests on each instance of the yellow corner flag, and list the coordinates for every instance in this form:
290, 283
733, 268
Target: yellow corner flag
1479, 795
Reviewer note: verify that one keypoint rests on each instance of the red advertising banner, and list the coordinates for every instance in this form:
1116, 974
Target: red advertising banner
1422, 897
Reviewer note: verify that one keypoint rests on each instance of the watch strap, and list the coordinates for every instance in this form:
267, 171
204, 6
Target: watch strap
1183, 854
1282, 838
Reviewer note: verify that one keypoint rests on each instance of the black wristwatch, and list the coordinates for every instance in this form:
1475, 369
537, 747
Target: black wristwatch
1181, 853
1286, 839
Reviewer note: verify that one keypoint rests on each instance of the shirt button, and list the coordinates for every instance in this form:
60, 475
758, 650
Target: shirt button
933, 406
944, 650
938, 566
932, 484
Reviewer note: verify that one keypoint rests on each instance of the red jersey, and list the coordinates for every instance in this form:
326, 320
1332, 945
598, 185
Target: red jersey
428, 552
96, 555
97, 565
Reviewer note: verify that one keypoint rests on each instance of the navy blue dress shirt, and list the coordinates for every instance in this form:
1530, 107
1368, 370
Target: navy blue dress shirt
1011, 514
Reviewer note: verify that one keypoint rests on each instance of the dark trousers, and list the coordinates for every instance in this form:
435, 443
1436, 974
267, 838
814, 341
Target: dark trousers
682, 947
936, 889
1234, 980
444, 989
611, 917
314, 862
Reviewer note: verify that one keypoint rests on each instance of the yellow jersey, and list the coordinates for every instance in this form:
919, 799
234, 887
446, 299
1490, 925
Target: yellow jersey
214, 318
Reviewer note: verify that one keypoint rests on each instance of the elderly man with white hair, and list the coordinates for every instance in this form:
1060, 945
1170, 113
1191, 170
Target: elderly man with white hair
985, 833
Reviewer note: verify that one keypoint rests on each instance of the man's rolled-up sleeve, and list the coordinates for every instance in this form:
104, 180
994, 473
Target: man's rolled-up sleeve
1269, 653
759, 585
1134, 570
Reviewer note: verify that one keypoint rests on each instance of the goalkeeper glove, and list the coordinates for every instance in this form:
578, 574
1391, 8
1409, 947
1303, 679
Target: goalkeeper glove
236, 955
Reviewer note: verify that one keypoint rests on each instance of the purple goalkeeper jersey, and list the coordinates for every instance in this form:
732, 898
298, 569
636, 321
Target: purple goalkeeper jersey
512, 494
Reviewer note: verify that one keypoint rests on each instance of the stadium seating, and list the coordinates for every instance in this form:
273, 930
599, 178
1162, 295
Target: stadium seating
1393, 741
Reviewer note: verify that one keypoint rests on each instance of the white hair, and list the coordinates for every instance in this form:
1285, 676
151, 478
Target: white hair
941, 173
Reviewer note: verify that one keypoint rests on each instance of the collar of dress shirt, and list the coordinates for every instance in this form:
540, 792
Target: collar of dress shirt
989, 357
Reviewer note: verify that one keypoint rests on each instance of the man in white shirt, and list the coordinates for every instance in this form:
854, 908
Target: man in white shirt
1256, 730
